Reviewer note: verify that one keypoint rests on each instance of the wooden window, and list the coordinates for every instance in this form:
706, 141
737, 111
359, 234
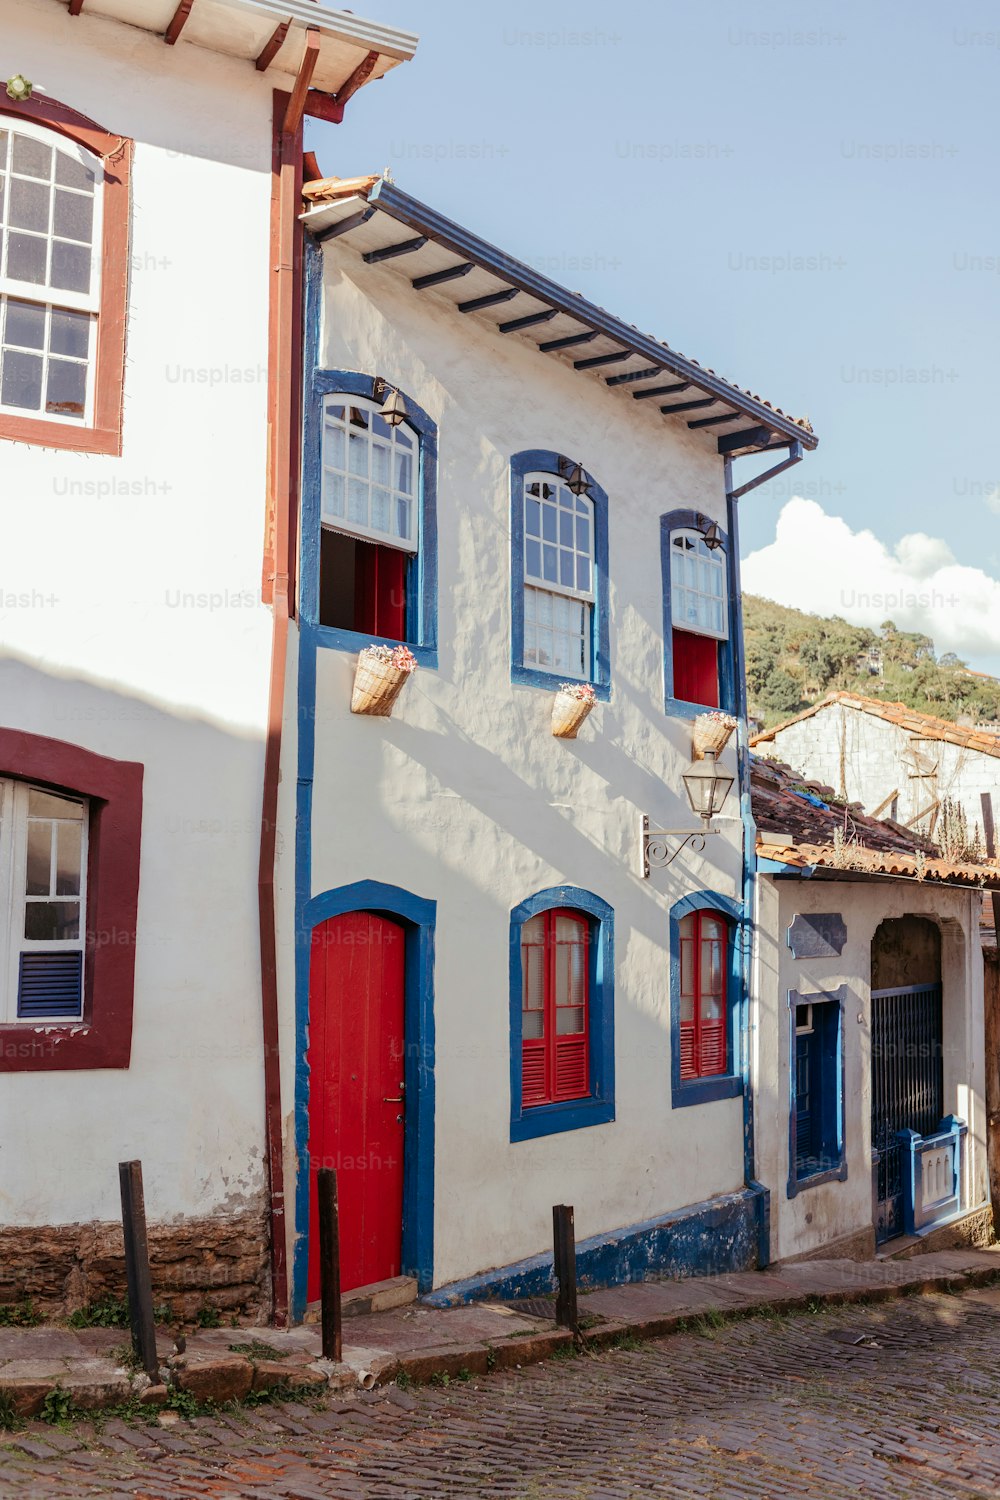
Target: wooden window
64, 187
704, 1021
370, 521
699, 615
558, 577
43, 880
555, 1000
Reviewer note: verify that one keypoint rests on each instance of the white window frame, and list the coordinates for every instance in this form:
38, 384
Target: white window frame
409, 544
13, 903
56, 298
717, 560
537, 583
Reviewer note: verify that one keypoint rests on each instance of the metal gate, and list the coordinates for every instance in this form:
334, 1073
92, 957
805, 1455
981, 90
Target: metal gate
907, 1087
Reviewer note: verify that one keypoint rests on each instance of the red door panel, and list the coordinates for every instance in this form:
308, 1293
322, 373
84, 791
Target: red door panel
380, 591
356, 1052
696, 668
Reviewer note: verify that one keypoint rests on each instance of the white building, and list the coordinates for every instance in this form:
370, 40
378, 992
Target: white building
896, 762
486, 1008
869, 1060
145, 354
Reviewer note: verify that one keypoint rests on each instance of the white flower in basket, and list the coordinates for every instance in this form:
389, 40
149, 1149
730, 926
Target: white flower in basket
570, 707
711, 732
379, 678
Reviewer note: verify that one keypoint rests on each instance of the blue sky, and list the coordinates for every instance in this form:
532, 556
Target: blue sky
802, 196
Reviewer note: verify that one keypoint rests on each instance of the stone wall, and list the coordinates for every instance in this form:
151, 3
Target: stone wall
217, 1262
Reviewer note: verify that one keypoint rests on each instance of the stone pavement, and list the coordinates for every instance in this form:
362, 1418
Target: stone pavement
421, 1343
899, 1399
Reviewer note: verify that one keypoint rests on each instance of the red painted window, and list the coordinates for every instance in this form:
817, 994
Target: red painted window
64, 226
696, 668
555, 995
704, 941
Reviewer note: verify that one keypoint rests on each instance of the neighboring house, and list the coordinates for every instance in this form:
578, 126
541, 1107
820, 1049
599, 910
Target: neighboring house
894, 761
871, 1117
485, 1007
146, 323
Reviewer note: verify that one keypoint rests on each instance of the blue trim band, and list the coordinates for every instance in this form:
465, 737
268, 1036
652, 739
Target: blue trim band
726, 1085
544, 460
599, 1108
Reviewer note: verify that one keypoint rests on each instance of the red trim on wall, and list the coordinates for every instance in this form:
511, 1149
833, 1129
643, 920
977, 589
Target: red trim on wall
104, 435
114, 787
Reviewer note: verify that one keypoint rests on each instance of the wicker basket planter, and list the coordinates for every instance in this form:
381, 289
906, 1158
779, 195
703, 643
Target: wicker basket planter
570, 707
379, 678
711, 734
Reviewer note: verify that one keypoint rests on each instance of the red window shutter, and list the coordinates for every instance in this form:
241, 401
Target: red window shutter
689, 1067
380, 591
555, 962
703, 1032
696, 668
713, 1048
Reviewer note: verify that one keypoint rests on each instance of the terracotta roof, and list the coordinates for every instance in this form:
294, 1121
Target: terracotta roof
801, 824
926, 726
639, 360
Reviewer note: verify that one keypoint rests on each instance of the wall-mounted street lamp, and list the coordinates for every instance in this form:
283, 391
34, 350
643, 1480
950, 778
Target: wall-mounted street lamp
574, 477
713, 536
707, 788
393, 405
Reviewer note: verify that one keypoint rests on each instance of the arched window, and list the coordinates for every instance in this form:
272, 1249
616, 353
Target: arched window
43, 861
50, 273
558, 577
699, 615
554, 1007
704, 1020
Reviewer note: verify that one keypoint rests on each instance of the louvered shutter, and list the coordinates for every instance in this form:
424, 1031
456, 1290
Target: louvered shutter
50, 984
534, 1029
704, 1017
570, 962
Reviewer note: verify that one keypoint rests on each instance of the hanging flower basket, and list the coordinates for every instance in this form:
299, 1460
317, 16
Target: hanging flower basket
379, 678
570, 707
711, 733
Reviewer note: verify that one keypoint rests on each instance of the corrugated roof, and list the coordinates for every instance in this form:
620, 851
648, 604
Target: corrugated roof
924, 726
802, 824
477, 278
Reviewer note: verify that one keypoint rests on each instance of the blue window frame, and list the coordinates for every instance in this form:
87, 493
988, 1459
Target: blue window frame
816, 1089
599, 1106
729, 1084
422, 597
694, 521
527, 467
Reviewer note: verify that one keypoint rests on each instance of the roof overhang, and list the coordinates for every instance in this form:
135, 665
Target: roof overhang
269, 33
388, 227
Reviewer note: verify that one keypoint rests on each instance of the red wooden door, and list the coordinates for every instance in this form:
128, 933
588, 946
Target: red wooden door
356, 1052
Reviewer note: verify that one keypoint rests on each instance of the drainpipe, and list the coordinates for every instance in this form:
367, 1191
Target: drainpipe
283, 404
749, 839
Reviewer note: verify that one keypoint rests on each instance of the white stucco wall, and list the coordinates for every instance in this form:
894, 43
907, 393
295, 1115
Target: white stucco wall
144, 637
829, 1211
861, 755
464, 796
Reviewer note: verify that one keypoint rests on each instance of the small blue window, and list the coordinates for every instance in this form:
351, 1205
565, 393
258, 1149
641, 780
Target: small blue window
816, 1105
698, 614
559, 575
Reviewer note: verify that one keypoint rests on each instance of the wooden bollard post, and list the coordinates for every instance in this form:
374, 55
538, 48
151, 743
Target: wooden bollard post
137, 1277
564, 1265
329, 1264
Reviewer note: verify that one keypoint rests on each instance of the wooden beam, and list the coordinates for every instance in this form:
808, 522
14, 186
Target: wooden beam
178, 22
345, 226
749, 437
601, 359
878, 811
272, 47
321, 106
361, 75
733, 416
490, 300
529, 321
434, 278
687, 406
567, 343
660, 390
297, 98
404, 247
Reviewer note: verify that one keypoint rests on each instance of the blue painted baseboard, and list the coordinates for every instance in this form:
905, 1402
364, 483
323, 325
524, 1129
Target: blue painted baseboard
705, 1239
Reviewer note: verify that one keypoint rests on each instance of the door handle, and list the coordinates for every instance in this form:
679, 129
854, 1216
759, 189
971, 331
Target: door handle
396, 1099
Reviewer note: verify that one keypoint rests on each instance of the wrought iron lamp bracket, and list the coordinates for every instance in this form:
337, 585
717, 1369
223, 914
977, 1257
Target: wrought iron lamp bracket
655, 849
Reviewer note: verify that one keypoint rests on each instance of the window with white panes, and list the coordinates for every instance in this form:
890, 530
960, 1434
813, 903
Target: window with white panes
698, 586
43, 893
369, 473
558, 577
50, 226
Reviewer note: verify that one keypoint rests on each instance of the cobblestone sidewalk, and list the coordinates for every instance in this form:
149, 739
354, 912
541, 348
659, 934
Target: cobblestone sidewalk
898, 1399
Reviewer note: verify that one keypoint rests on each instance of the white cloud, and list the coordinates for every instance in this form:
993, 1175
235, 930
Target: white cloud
817, 563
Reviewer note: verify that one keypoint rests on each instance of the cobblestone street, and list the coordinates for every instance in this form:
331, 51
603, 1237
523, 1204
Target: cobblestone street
900, 1399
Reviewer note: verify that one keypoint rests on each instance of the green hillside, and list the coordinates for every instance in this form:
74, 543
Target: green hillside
794, 659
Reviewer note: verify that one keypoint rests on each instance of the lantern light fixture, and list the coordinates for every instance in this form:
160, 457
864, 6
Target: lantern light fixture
712, 536
707, 788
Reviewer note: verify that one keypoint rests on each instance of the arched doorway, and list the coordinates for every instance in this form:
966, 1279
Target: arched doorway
356, 1064
906, 1061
